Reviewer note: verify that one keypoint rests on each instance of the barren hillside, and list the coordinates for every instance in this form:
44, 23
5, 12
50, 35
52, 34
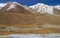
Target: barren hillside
25, 20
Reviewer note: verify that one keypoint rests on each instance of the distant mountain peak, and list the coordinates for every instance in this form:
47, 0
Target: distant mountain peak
11, 5
43, 8
14, 3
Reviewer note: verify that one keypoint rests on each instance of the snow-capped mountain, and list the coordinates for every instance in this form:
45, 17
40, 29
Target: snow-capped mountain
15, 7
43, 8
40, 7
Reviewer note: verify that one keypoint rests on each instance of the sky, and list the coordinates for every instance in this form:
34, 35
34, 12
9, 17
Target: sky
32, 2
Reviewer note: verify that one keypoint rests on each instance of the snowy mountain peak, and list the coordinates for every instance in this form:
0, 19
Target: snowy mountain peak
10, 5
13, 3
43, 8
41, 4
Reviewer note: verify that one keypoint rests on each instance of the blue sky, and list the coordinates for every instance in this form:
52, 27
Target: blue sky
32, 2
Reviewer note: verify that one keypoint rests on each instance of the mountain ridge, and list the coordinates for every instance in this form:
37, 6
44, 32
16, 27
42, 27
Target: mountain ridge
39, 7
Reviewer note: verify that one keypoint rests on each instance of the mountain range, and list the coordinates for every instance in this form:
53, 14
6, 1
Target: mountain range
39, 7
39, 18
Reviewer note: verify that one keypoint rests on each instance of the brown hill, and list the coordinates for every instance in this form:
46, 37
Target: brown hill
16, 8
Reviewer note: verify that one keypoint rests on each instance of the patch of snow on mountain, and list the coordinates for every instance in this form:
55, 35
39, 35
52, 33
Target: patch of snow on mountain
2, 5
42, 8
11, 6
